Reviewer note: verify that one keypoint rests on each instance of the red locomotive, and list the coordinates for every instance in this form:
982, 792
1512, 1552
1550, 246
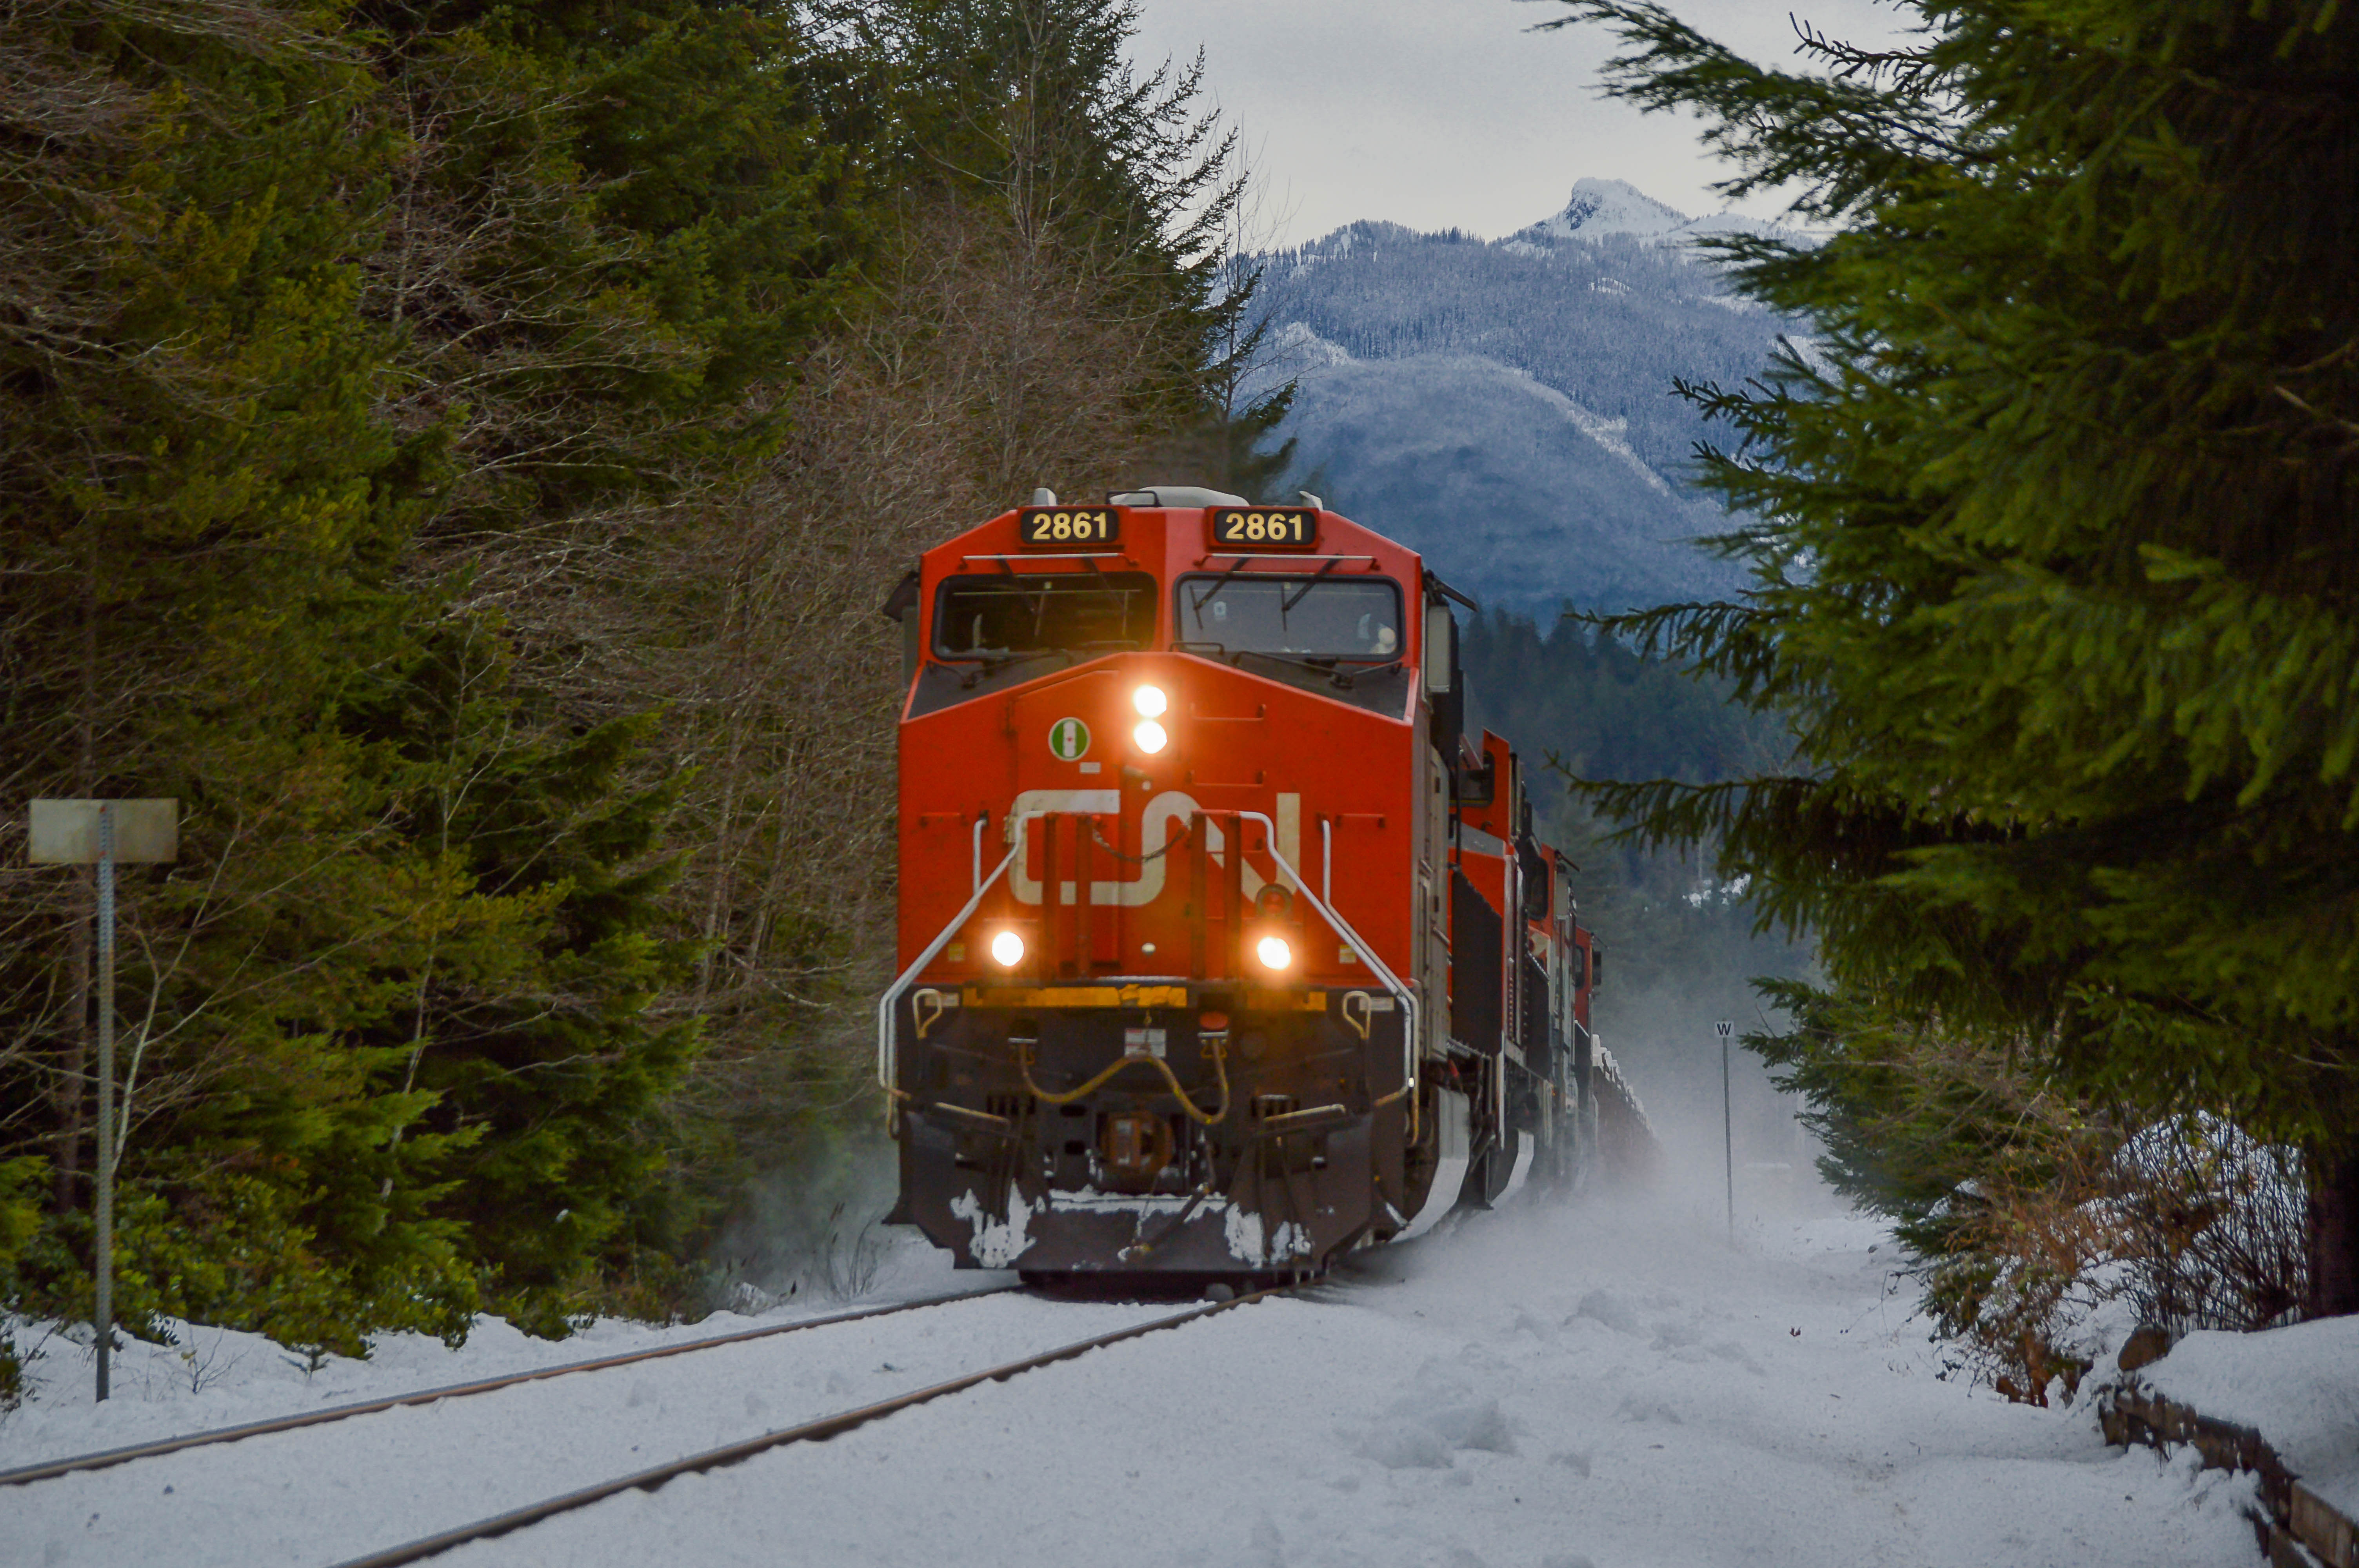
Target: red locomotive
1223, 951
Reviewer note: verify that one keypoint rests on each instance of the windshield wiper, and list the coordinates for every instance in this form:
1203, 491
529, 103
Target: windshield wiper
992, 666
1217, 584
1291, 600
1327, 664
987, 668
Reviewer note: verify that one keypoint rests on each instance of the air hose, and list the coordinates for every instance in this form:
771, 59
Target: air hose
1220, 1067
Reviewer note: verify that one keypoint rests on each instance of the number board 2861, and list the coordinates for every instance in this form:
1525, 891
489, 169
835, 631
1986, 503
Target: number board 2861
1039, 527
1264, 527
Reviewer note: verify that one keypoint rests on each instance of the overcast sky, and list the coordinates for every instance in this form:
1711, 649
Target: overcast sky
1452, 112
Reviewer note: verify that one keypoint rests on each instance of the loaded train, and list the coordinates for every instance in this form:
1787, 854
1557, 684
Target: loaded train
1223, 950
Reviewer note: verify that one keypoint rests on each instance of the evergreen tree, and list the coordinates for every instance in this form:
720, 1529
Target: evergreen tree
2055, 562
426, 435
1103, 175
205, 512
387, 1018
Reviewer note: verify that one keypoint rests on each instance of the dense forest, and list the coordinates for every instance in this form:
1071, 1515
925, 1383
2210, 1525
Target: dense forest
1682, 950
457, 452
2050, 554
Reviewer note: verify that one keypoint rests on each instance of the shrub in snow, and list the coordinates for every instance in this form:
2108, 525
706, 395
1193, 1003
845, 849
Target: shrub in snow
2215, 1224
2045, 1225
2187, 1223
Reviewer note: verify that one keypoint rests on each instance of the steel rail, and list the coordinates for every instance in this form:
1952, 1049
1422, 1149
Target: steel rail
107, 1458
818, 1430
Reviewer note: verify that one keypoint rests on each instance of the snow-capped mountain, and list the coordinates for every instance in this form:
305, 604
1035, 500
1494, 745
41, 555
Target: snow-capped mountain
1602, 207
1505, 406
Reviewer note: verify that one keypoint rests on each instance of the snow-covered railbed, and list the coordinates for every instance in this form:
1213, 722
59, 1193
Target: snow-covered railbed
326, 1493
1543, 1389
155, 1447
1540, 1390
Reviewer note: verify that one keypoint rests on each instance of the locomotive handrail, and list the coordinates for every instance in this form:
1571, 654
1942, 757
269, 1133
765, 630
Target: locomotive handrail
1367, 955
885, 1052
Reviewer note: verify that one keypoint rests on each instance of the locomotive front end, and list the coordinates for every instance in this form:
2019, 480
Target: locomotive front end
1166, 838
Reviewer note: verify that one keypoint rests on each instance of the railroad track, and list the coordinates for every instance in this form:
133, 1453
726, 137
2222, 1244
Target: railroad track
817, 1431
503, 1452
106, 1458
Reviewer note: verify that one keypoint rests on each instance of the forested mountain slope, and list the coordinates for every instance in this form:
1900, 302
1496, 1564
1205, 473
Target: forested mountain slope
1506, 406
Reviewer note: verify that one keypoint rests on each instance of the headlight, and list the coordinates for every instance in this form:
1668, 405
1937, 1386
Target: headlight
1151, 701
1274, 952
1008, 949
1150, 737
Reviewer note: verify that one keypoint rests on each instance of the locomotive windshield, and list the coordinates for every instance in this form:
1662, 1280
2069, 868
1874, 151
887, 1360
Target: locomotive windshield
1011, 615
1321, 618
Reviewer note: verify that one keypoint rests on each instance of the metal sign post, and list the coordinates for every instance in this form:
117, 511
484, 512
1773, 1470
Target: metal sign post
1727, 1127
103, 832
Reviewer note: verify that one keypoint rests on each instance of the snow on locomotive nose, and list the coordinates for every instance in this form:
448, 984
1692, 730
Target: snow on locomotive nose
1190, 981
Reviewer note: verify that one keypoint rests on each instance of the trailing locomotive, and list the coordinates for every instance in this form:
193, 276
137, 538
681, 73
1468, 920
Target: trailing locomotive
1223, 950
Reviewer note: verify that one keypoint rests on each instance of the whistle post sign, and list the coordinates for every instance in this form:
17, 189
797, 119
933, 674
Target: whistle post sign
66, 832
104, 833
1725, 1028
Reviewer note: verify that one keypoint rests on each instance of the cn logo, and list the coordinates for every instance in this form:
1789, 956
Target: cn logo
1158, 825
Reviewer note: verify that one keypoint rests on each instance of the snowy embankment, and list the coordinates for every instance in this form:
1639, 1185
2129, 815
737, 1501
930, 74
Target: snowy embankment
1544, 1388
2298, 1386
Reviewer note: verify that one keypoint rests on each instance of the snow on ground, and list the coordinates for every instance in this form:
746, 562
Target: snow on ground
212, 1377
2298, 1386
1545, 1388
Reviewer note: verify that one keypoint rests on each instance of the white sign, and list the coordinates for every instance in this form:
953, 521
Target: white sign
65, 832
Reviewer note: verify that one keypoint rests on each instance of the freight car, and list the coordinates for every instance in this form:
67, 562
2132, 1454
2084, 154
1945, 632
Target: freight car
1223, 950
